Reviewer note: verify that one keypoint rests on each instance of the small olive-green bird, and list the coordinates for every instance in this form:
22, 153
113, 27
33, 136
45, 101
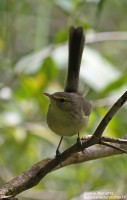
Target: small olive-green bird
68, 112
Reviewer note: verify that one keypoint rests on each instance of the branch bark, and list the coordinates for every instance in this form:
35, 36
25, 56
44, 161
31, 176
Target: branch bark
32, 176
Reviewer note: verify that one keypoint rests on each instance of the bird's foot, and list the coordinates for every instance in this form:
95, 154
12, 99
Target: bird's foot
80, 146
58, 157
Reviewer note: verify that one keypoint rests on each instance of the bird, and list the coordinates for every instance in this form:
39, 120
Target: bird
69, 111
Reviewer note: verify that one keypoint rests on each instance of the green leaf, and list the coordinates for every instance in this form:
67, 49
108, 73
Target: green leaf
61, 36
114, 85
100, 7
49, 69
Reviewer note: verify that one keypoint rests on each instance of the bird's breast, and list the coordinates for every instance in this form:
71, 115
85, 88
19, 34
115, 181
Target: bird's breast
64, 123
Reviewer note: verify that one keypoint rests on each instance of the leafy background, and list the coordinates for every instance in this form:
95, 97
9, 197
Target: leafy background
33, 52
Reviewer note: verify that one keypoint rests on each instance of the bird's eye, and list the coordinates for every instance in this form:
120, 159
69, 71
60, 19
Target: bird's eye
62, 100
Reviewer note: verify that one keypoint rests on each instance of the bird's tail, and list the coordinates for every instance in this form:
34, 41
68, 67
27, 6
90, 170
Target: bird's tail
76, 44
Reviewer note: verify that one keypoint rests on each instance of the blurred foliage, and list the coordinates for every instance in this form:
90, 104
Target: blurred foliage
29, 29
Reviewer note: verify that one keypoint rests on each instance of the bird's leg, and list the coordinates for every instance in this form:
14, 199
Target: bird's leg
79, 142
58, 153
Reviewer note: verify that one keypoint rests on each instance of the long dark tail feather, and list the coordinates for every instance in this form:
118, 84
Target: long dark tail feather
76, 45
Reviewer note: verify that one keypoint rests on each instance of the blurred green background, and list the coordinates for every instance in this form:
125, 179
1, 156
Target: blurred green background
33, 60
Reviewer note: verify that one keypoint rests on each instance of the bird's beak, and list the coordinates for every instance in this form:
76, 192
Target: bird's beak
48, 95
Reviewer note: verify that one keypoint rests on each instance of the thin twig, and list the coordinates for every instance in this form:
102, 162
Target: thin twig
112, 146
114, 140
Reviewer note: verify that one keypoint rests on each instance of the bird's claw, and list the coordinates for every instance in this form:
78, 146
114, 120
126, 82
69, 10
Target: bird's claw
58, 157
79, 142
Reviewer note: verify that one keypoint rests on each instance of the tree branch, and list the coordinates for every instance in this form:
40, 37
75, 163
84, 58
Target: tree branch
106, 36
99, 131
32, 176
